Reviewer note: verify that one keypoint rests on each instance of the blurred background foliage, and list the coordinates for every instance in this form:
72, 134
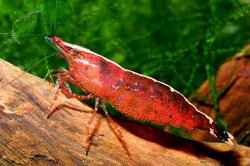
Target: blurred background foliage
171, 40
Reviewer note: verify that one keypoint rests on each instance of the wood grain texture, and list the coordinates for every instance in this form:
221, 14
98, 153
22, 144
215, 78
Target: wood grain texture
28, 138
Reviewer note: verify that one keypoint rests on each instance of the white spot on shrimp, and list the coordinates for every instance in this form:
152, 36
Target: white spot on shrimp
85, 62
136, 85
172, 89
153, 93
211, 131
211, 121
118, 84
193, 116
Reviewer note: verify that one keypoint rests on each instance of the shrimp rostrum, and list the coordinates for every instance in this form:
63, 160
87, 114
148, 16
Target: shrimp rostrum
134, 95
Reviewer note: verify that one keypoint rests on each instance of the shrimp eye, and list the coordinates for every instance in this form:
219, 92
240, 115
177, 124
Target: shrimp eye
73, 51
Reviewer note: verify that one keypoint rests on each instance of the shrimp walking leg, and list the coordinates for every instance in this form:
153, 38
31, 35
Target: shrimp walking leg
97, 99
63, 86
115, 127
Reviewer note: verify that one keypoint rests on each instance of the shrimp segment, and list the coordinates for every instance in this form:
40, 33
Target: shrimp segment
134, 95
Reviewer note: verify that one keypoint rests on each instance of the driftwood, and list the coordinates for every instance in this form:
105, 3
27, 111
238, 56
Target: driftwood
233, 78
28, 138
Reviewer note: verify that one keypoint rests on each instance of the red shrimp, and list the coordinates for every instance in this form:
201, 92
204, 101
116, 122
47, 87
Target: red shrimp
134, 95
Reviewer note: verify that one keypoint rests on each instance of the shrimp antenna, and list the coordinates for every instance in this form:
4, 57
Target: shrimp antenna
55, 15
28, 69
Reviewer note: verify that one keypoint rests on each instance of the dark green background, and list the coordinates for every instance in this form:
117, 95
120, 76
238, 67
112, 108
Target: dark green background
172, 41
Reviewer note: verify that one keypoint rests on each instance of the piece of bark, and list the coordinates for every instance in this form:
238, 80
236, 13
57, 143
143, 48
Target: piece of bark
28, 138
234, 77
